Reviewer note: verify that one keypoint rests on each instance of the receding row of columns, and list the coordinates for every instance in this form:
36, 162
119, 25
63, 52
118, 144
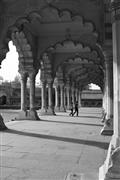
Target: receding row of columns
63, 97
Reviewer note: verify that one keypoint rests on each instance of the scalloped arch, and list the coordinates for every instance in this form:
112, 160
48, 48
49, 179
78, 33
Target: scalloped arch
69, 45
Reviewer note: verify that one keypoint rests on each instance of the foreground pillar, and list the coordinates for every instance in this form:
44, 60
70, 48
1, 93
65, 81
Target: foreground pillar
108, 126
32, 112
111, 168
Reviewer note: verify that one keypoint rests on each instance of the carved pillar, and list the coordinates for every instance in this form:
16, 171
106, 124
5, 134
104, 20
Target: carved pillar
111, 168
116, 67
23, 114
72, 94
43, 109
57, 102
62, 105
68, 96
32, 113
50, 99
79, 98
108, 127
23, 91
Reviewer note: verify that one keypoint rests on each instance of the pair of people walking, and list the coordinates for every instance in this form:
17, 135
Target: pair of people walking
72, 113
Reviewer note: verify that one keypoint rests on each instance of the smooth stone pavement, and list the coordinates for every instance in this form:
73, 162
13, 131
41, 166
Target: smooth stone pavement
55, 148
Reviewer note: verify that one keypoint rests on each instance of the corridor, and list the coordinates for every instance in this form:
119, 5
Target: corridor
54, 148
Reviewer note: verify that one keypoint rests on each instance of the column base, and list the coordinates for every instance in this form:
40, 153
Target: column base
107, 129
50, 111
22, 115
42, 112
32, 115
57, 109
2, 124
110, 170
62, 109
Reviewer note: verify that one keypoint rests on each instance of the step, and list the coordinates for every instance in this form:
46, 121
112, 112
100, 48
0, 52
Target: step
82, 176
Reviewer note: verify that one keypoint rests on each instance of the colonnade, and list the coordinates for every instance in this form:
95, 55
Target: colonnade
110, 170
63, 95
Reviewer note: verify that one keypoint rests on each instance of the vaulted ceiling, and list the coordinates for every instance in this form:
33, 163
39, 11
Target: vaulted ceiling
72, 32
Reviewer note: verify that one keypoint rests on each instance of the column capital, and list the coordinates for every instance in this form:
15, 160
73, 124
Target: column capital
61, 85
108, 57
50, 80
24, 75
32, 74
115, 9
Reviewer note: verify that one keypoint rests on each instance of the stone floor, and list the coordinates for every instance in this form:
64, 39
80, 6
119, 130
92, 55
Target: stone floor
54, 148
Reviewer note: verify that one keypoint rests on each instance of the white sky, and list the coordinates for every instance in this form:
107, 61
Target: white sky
9, 66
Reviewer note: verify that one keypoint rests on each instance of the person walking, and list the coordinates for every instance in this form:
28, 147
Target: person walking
71, 113
76, 108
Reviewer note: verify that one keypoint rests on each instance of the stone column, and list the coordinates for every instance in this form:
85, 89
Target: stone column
65, 97
79, 99
62, 105
104, 106
32, 113
50, 110
43, 109
111, 168
23, 114
76, 94
116, 67
23, 91
68, 97
108, 127
57, 102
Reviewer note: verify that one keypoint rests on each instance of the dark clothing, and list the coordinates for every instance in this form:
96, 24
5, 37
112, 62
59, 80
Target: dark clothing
76, 109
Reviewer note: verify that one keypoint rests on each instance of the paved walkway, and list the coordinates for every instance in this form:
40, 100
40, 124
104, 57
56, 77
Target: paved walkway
52, 148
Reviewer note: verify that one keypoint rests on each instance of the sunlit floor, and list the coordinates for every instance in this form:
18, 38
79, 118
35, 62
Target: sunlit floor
55, 146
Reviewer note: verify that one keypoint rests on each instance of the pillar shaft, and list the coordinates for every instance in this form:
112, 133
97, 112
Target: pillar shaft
43, 95
79, 97
57, 103
32, 112
108, 119
116, 73
49, 94
109, 88
23, 91
32, 91
68, 97
62, 104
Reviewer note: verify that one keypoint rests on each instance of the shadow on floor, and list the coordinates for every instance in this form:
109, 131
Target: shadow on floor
102, 145
79, 116
64, 122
